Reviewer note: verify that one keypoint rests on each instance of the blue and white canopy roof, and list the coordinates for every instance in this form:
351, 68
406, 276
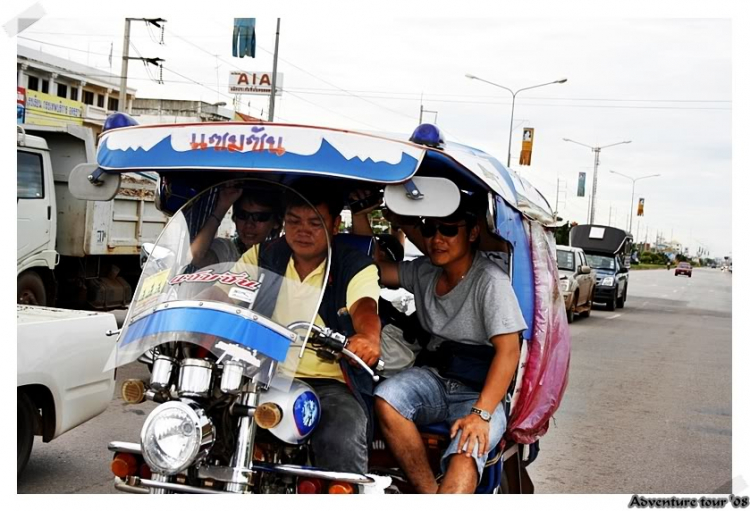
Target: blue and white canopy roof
268, 147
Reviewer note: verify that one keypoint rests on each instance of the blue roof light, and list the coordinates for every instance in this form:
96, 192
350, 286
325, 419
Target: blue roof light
429, 135
118, 120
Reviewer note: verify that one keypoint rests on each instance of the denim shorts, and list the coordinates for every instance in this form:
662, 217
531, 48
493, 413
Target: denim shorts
424, 397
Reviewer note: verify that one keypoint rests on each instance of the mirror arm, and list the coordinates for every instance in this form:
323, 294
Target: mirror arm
412, 191
94, 177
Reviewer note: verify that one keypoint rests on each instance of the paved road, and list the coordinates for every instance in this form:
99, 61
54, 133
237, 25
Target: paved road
648, 408
648, 405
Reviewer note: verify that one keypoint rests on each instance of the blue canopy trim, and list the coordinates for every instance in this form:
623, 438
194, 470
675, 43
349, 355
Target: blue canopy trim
247, 147
251, 334
509, 225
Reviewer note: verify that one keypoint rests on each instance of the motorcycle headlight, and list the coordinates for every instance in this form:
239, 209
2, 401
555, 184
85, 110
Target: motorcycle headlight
174, 436
608, 281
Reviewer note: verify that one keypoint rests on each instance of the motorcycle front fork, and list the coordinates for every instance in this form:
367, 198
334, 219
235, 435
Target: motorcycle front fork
242, 460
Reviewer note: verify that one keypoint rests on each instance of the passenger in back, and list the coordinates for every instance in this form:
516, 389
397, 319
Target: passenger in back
467, 305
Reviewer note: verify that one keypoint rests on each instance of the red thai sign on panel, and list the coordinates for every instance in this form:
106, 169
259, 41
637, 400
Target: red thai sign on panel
21, 105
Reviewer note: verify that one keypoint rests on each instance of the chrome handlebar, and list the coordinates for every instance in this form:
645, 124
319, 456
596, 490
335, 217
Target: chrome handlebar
337, 343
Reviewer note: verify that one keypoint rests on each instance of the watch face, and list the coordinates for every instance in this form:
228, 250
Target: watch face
484, 414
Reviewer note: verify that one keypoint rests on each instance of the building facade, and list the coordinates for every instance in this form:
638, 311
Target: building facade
57, 91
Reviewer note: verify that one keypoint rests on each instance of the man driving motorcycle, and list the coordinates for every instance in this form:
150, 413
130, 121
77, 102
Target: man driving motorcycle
467, 305
349, 306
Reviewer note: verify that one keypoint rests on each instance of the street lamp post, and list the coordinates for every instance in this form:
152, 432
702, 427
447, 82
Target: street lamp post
513, 104
632, 195
596, 151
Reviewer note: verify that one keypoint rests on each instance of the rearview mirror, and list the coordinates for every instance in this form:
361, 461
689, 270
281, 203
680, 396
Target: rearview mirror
585, 270
157, 254
423, 196
87, 182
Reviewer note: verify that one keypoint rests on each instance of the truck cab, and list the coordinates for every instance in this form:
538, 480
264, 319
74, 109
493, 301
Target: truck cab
36, 208
74, 253
608, 252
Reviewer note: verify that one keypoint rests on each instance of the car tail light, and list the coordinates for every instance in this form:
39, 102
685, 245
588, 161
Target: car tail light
309, 486
340, 487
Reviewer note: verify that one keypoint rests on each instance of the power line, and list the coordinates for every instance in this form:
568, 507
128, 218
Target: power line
636, 107
292, 94
331, 84
528, 98
348, 93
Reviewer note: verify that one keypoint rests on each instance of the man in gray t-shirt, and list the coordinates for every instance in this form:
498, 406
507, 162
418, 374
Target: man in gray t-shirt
465, 299
481, 306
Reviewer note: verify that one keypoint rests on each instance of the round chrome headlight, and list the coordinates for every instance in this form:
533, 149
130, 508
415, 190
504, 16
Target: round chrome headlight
174, 436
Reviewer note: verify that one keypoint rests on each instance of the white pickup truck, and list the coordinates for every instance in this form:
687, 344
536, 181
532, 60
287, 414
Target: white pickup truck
62, 382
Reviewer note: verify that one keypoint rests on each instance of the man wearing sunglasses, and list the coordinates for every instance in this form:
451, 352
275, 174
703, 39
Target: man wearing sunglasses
466, 304
256, 217
349, 306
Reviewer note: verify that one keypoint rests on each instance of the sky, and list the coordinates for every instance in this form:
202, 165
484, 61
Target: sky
664, 84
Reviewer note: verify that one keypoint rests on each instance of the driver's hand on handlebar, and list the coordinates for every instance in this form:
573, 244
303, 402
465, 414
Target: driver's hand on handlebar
364, 347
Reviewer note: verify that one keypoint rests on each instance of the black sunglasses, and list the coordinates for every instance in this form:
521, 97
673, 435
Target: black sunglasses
429, 229
255, 216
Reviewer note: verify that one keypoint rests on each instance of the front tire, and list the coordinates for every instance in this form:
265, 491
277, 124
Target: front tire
611, 304
30, 288
570, 313
589, 306
26, 423
621, 300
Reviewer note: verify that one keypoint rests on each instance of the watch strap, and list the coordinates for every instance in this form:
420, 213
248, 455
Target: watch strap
481, 413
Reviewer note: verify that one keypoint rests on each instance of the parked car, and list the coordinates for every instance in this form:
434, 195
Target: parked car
61, 380
608, 252
684, 269
577, 281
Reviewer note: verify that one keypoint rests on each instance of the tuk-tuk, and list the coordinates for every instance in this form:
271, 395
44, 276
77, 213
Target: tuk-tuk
224, 374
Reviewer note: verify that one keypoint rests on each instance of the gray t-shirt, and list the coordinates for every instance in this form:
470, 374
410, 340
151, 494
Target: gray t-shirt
481, 306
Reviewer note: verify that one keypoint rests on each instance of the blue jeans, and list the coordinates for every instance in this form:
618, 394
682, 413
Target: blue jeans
339, 442
422, 396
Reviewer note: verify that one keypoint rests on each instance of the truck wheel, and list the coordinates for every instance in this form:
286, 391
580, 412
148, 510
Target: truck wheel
31, 289
589, 306
621, 300
26, 415
611, 304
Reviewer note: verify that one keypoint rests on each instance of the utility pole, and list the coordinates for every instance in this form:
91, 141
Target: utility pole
637, 231
122, 104
272, 106
422, 110
596, 150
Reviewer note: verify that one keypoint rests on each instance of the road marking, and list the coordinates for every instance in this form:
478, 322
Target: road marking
644, 304
615, 316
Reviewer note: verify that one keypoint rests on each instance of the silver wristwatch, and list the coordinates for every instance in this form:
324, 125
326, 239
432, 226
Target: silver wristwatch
484, 414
